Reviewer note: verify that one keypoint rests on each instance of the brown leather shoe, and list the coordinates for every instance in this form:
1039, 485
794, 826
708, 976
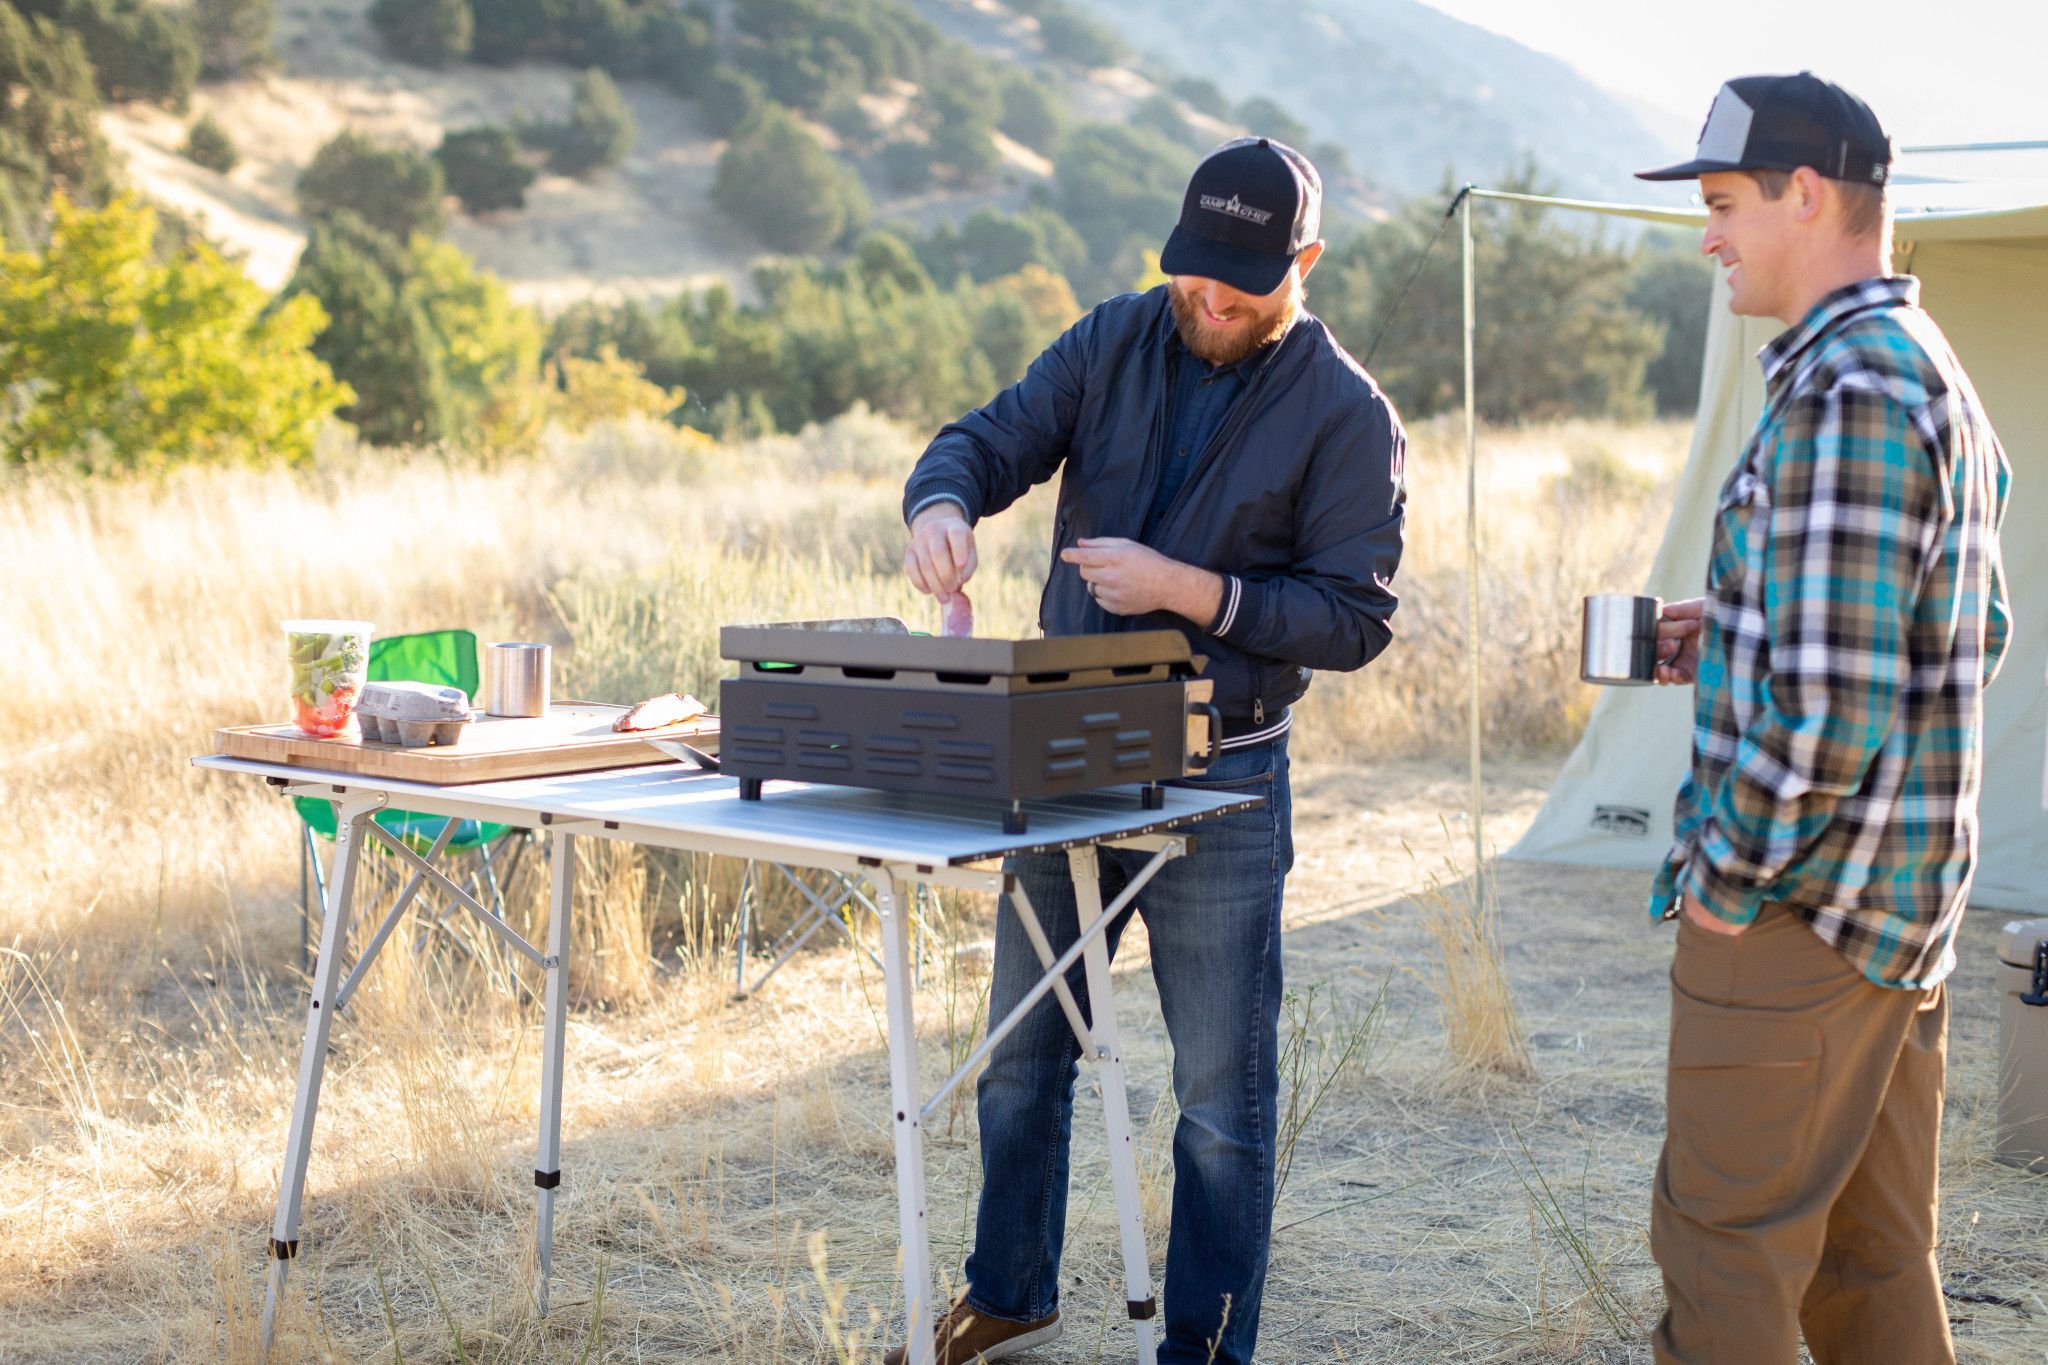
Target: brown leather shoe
964, 1336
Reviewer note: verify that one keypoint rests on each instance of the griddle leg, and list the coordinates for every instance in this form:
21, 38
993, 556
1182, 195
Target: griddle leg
750, 789
1015, 821
547, 1166
1153, 797
351, 815
1105, 1045
907, 1107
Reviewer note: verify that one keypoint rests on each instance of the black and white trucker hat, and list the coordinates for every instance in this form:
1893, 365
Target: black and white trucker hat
1250, 207
1780, 123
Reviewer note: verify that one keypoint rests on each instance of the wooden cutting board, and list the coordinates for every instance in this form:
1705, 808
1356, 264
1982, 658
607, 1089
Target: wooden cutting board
573, 737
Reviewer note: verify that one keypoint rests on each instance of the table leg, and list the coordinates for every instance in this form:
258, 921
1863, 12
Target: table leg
351, 816
1116, 1110
547, 1168
894, 899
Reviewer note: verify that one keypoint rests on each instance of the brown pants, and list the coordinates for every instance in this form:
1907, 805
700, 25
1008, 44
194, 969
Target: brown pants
1797, 1189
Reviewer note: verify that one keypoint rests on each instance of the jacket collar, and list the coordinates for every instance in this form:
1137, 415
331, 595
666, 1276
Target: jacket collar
1834, 309
1167, 333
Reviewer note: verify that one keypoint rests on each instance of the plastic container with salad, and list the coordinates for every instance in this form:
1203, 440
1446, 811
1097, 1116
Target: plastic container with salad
330, 661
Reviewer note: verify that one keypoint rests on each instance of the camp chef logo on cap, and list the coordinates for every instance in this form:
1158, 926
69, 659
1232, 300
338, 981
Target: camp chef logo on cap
1231, 206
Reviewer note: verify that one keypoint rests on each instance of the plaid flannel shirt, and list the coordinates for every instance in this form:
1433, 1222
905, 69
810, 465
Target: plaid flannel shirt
1855, 613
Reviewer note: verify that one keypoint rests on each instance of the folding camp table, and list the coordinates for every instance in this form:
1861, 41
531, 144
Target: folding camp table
894, 841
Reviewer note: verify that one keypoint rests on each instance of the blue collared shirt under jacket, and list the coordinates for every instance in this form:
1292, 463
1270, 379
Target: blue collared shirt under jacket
1200, 397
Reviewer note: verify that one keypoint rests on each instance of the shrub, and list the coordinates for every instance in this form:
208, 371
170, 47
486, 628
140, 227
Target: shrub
730, 100
599, 132
484, 169
1077, 37
394, 189
505, 31
429, 33
778, 180
156, 359
1032, 114
208, 144
234, 35
679, 50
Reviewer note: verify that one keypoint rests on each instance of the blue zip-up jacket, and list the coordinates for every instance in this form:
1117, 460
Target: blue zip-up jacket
1297, 500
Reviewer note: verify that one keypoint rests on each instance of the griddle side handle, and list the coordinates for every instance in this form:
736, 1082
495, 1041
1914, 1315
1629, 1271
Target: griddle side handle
1215, 732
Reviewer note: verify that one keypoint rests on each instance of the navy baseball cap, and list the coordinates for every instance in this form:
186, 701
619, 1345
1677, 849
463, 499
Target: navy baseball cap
1780, 123
1250, 207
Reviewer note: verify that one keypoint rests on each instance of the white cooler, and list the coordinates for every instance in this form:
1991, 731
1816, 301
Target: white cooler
2023, 1044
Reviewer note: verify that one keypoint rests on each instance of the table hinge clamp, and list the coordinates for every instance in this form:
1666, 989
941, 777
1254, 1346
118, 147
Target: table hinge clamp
283, 1251
1142, 1310
547, 1180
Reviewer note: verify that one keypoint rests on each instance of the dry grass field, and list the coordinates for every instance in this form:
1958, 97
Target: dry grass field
1464, 1183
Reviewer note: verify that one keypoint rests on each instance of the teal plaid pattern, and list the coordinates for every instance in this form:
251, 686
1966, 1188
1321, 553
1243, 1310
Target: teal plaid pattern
1855, 612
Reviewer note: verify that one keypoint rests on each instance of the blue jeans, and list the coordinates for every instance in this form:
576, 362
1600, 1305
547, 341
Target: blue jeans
1214, 921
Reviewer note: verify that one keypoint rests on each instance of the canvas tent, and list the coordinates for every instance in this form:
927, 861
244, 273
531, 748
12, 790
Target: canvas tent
1984, 277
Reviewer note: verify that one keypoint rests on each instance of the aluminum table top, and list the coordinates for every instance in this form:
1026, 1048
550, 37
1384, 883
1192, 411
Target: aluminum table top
675, 799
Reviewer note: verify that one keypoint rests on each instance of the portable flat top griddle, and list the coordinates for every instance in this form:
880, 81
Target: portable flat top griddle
867, 704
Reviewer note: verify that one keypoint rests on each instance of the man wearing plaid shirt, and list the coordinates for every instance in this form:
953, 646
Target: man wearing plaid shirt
1854, 614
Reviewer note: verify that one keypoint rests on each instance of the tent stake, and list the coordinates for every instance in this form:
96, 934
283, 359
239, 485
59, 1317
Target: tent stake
1472, 564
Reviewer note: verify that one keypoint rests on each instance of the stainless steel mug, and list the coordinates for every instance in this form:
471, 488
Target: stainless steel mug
516, 681
1618, 642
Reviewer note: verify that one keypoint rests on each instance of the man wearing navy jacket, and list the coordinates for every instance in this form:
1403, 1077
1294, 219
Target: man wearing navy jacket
1226, 470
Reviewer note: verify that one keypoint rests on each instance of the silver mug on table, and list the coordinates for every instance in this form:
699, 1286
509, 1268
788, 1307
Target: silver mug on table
516, 681
1618, 641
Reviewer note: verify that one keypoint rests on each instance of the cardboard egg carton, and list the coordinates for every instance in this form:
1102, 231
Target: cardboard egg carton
413, 714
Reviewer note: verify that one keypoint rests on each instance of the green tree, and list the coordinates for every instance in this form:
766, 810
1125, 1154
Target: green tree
1263, 118
506, 31
599, 33
1671, 283
397, 190
430, 33
906, 164
778, 180
234, 35
1161, 113
49, 118
679, 48
1078, 37
599, 132
1032, 114
1203, 96
138, 50
127, 360
1556, 335
489, 345
1120, 189
378, 338
208, 144
730, 100
484, 169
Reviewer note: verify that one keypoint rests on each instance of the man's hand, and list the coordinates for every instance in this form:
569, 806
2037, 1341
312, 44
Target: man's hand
1700, 918
940, 557
1678, 641
1129, 579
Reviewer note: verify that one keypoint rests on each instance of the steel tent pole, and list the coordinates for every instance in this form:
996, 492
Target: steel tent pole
1472, 559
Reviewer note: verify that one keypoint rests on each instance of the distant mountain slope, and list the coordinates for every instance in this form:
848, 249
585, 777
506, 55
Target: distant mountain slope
1411, 93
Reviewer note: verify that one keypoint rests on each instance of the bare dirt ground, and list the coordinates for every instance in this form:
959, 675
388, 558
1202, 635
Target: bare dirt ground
728, 1193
